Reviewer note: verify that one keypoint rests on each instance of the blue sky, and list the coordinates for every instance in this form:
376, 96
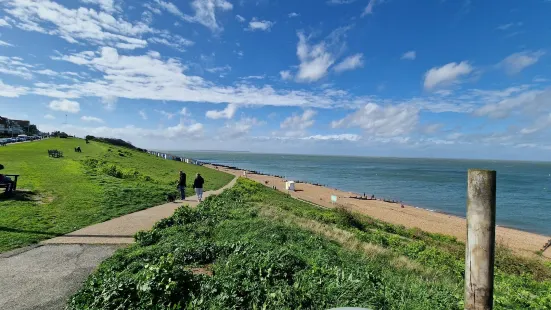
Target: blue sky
444, 78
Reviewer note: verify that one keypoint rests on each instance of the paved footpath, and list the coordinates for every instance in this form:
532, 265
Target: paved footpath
45, 275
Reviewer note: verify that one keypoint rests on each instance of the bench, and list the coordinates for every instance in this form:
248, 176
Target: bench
55, 153
14, 178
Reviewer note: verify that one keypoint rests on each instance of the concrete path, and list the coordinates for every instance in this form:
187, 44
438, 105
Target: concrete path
44, 276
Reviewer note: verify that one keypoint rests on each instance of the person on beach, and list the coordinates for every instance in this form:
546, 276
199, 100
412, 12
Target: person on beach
182, 184
198, 186
6, 180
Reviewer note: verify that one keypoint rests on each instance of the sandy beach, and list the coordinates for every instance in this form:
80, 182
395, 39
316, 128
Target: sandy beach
524, 243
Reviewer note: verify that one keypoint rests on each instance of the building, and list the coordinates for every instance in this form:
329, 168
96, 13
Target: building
13, 126
3, 125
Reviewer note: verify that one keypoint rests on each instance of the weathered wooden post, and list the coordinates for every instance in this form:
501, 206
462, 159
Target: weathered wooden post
480, 246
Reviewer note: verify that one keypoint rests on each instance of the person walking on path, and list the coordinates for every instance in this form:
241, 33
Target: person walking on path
182, 185
198, 186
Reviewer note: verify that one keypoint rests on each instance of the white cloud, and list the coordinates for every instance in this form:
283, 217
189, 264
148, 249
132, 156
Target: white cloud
184, 131
296, 125
221, 70
205, 12
106, 5
240, 18
170, 7
76, 24
370, 6
293, 14
286, 75
509, 25
384, 121
228, 112
517, 62
254, 77
49, 116
239, 129
184, 112
12, 91
541, 123
4, 43
533, 102
337, 2
411, 55
342, 137
109, 102
262, 25
165, 114
65, 106
172, 40
446, 74
14, 66
91, 119
315, 60
350, 63
149, 77
47, 72
4, 22
143, 114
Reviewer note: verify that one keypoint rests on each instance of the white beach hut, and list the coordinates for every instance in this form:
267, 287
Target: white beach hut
290, 185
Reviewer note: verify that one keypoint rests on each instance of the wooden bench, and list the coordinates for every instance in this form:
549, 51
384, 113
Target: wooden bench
14, 178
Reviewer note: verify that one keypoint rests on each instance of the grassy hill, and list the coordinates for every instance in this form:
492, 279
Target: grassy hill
256, 248
60, 195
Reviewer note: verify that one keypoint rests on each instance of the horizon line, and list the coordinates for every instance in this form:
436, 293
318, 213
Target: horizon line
363, 156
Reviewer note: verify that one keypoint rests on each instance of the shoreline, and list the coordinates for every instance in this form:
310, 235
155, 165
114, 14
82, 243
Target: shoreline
520, 241
376, 199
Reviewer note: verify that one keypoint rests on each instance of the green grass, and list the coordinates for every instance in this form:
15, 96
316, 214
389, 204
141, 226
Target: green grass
60, 195
255, 248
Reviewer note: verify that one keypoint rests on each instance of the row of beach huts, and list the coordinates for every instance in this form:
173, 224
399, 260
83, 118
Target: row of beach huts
176, 158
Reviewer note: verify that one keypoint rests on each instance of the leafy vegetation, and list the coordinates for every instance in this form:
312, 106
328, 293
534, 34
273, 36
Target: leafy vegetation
255, 248
59, 195
116, 142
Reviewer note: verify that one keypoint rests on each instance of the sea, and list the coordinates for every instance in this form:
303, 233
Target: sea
440, 185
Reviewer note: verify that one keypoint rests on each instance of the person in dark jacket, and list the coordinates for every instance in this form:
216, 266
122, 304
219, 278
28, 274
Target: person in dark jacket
198, 186
182, 185
6, 180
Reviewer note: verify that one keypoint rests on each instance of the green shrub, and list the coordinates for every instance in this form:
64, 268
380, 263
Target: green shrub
250, 261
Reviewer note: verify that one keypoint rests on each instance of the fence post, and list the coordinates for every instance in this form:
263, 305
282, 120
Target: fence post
480, 246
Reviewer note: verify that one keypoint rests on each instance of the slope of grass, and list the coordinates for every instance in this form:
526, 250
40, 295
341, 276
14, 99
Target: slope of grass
60, 195
256, 248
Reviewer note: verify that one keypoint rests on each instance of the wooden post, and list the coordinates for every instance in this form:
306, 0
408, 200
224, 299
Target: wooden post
480, 246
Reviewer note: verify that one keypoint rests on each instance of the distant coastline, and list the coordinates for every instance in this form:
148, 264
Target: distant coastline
202, 151
368, 157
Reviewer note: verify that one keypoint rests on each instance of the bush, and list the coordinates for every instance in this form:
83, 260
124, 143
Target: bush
227, 254
113, 170
112, 141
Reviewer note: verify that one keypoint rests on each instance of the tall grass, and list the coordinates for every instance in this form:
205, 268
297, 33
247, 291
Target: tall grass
256, 248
